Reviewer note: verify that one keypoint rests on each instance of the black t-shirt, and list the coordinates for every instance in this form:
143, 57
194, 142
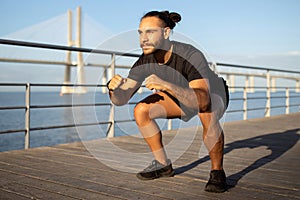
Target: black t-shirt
185, 64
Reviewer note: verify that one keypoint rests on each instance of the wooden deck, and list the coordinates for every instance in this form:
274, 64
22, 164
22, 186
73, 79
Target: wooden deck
262, 159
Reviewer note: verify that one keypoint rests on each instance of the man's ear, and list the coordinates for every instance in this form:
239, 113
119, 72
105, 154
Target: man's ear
167, 32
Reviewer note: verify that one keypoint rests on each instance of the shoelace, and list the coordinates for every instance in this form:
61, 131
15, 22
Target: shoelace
153, 166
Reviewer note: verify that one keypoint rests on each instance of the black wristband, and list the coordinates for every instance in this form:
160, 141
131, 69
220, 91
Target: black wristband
108, 87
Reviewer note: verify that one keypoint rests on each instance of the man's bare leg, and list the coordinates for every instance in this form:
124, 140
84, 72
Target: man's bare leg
158, 105
152, 135
213, 138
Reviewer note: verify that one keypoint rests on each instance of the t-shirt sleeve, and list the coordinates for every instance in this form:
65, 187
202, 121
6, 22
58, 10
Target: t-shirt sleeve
137, 71
198, 67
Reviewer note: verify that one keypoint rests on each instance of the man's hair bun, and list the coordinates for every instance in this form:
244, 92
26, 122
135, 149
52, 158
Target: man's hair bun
175, 17
169, 19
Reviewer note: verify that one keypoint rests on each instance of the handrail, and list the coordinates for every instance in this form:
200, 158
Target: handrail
258, 68
65, 48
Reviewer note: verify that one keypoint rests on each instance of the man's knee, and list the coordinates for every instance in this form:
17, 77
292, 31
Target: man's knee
217, 107
141, 113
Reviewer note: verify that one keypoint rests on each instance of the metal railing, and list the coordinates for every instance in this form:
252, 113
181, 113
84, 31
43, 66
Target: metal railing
28, 107
267, 107
112, 121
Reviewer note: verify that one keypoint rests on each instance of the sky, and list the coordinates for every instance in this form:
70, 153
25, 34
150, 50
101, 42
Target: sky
263, 33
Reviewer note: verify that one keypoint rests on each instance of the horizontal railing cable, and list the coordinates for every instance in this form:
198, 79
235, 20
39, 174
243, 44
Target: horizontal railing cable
68, 126
12, 107
69, 105
12, 131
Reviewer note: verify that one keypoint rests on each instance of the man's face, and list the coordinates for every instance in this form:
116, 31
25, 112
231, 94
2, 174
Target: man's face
151, 34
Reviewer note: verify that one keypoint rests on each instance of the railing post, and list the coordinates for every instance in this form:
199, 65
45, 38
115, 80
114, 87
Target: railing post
287, 101
232, 83
27, 117
214, 67
246, 81
268, 103
169, 124
111, 131
245, 108
251, 84
273, 84
104, 80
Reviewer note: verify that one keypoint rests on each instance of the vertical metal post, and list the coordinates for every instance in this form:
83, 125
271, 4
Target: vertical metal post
27, 117
273, 84
214, 67
251, 83
228, 81
268, 103
111, 131
247, 81
245, 108
104, 80
287, 101
169, 124
232, 83
140, 90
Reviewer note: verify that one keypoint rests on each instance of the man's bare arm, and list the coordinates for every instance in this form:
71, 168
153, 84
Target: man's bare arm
195, 97
121, 89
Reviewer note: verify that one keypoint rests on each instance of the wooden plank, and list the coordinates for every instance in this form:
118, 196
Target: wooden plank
12, 195
27, 190
109, 179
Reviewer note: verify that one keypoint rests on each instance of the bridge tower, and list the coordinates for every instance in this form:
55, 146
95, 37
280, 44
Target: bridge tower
79, 64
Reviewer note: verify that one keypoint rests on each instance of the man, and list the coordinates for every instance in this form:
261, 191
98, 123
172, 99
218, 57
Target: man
184, 86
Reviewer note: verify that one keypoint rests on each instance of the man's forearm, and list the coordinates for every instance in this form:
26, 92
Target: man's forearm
193, 98
118, 97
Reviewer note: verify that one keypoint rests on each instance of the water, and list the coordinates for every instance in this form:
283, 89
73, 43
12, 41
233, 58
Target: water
14, 119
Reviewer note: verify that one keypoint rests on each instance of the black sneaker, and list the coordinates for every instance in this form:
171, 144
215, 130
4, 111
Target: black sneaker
156, 170
217, 182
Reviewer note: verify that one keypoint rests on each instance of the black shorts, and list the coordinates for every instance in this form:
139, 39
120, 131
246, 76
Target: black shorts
219, 88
